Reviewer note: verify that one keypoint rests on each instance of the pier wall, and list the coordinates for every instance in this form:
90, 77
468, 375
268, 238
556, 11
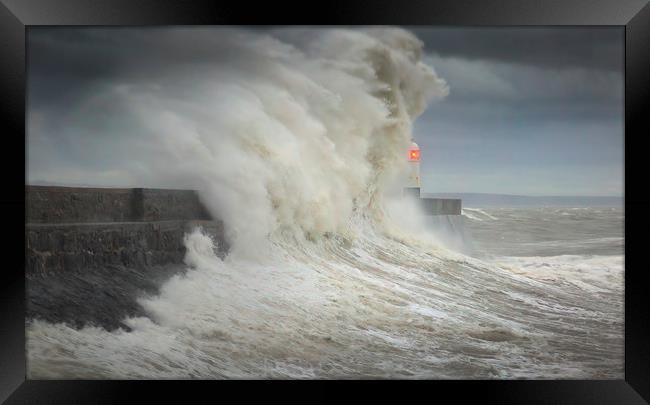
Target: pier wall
441, 206
72, 228
52, 205
434, 206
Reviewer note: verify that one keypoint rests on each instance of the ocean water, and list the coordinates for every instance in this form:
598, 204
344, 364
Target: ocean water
298, 140
539, 296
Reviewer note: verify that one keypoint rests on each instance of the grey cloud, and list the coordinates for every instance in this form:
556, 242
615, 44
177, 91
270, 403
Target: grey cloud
503, 81
68, 64
527, 116
552, 47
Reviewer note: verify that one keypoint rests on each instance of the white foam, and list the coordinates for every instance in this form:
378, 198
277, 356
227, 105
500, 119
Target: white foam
343, 305
467, 211
590, 272
297, 148
469, 215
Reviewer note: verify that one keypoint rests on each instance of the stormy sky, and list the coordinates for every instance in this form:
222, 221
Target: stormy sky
535, 111
532, 111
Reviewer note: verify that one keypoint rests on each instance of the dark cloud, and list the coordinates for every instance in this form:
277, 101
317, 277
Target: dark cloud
530, 111
483, 88
550, 47
67, 64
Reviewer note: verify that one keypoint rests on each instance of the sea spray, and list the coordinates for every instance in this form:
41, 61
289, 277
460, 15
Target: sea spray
280, 136
296, 142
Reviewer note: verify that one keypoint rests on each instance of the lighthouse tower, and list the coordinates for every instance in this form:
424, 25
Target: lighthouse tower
413, 182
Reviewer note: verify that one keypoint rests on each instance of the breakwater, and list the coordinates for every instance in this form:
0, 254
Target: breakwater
71, 228
434, 206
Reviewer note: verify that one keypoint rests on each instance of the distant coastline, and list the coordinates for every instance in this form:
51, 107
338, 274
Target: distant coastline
507, 200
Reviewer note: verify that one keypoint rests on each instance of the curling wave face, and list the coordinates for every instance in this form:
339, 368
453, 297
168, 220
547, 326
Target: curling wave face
296, 141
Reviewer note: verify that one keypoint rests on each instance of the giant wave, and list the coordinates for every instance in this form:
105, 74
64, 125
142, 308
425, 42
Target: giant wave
297, 141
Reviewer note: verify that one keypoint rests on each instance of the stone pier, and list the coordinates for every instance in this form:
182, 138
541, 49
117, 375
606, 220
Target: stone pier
71, 228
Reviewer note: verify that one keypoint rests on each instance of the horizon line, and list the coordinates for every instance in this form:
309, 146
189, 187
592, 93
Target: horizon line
527, 195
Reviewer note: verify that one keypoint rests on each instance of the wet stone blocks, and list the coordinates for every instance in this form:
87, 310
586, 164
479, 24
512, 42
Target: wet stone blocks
72, 229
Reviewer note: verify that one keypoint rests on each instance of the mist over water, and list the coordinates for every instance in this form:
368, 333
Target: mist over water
298, 143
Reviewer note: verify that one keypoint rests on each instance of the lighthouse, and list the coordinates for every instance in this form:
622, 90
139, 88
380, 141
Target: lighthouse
412, 187
430, 206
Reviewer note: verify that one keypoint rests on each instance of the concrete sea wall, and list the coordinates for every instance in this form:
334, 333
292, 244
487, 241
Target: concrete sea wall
84, 205
59, 247
90, 253
435, 206
441, 206
71, 228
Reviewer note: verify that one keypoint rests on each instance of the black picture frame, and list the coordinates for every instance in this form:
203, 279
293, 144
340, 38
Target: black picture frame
634, 15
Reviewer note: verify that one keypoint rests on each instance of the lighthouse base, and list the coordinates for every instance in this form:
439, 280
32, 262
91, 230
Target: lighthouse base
434, 206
